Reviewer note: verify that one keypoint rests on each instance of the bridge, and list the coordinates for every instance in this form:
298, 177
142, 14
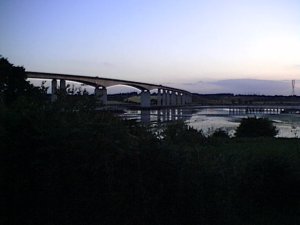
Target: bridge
166, 96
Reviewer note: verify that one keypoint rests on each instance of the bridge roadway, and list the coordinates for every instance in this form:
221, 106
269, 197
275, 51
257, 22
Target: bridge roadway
166, 96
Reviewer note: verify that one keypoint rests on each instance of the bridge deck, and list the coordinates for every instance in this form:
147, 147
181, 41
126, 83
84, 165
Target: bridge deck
101, 81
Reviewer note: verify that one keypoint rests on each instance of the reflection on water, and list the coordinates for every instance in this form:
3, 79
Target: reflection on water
209, 119
157, 116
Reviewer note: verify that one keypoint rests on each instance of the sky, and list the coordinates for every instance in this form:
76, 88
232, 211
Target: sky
155, 41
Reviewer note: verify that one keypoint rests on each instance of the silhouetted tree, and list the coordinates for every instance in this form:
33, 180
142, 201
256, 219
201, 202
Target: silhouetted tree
256, 127
180, 133
13, 83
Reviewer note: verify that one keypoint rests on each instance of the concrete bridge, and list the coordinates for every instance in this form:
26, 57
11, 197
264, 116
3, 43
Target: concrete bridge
166, 96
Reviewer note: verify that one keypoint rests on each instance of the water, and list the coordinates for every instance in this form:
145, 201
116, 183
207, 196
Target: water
210, 118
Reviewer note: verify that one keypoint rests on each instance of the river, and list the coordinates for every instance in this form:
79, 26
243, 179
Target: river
208, 119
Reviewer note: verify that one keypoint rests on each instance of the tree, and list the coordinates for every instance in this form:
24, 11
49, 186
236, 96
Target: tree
256, 127
180, 133
13, 83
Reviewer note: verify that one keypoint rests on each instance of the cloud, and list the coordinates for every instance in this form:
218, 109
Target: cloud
252, 86
192, 83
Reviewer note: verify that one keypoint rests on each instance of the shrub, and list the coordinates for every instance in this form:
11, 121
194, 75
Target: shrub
180, 133
256, 127
220, 133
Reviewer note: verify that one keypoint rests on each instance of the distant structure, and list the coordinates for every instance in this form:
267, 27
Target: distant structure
293, 87
166, 96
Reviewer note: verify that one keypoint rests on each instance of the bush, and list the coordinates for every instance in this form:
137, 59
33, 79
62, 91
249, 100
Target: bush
180, 133
220, 133
256, 127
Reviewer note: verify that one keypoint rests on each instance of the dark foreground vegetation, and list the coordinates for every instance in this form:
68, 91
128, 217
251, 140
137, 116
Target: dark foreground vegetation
64, 163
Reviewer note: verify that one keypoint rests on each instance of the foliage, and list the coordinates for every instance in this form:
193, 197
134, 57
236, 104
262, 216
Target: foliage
13, 83
256, 127
88, 167
220, 133
64, 164
179, 132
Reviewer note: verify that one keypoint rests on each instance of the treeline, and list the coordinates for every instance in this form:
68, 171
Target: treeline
82, 167
65, 163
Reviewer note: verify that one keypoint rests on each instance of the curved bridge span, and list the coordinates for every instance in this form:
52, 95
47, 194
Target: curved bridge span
166, 96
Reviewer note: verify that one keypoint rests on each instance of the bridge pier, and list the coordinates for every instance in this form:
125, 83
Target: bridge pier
53, 90
159, 98
101, 95
164, 97
168, 98
183, 99
62, 85
173, 98
178, 100
145, 98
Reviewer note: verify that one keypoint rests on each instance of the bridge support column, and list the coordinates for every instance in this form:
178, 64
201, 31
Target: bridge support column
104, 96
145, 98
159, 97
53, 90
101, 95
164, 97
184, 99
178, 100
168, 97
173, 98
62, 85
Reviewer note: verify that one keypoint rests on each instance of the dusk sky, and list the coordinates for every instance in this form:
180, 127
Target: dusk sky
157, 41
